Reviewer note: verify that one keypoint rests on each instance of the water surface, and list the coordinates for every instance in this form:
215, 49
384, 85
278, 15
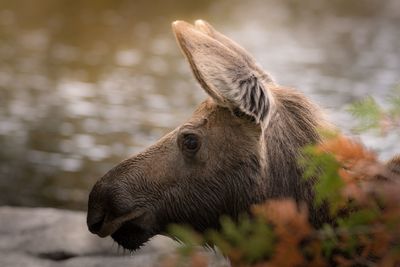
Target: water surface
84, 84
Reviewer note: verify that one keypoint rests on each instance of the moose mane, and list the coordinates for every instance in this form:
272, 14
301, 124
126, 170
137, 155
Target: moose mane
294, 124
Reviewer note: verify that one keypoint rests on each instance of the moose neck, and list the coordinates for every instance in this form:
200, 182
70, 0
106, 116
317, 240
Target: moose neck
294, 124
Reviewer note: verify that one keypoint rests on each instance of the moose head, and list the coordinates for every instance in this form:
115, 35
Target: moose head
239, 148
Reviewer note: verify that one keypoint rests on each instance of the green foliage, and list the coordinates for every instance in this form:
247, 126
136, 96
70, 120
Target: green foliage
354, 225
185, 234
368, 112
394, 102
252, 238
371, 115
328, 185
358, 218
329, 240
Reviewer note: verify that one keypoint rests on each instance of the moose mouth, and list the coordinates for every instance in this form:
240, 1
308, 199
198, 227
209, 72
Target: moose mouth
131, 235
130, 230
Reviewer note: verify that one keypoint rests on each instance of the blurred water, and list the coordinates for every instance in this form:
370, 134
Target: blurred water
84, 84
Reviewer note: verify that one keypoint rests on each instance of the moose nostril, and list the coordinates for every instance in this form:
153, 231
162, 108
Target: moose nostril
95, 226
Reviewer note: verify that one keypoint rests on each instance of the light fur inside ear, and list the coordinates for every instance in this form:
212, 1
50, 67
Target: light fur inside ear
231, 80
206, 28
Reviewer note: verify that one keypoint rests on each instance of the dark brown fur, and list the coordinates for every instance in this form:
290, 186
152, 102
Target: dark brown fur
248, 153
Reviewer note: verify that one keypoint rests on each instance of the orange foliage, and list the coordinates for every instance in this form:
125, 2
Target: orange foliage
291, 226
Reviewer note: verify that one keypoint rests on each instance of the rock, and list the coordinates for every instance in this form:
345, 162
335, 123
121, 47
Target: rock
31, 237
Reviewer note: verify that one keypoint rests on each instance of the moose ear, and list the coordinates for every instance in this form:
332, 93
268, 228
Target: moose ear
206, 28
230, 78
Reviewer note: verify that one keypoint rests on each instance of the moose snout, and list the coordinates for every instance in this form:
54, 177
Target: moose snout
104, 214
110, 205
96, 214
95, 221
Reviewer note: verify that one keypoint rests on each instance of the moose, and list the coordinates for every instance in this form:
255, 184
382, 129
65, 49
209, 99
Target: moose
239, 148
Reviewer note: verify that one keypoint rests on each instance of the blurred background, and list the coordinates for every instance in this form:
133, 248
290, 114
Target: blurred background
85, 84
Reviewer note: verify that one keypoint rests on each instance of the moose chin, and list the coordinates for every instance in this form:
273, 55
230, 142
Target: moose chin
239, 148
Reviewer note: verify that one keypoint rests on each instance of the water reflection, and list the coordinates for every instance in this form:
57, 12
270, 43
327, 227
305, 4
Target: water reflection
83, 84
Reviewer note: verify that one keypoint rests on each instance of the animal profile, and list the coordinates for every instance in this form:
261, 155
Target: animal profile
239, 148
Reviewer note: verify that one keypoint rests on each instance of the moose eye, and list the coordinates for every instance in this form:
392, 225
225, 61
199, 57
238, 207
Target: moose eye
191, 143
